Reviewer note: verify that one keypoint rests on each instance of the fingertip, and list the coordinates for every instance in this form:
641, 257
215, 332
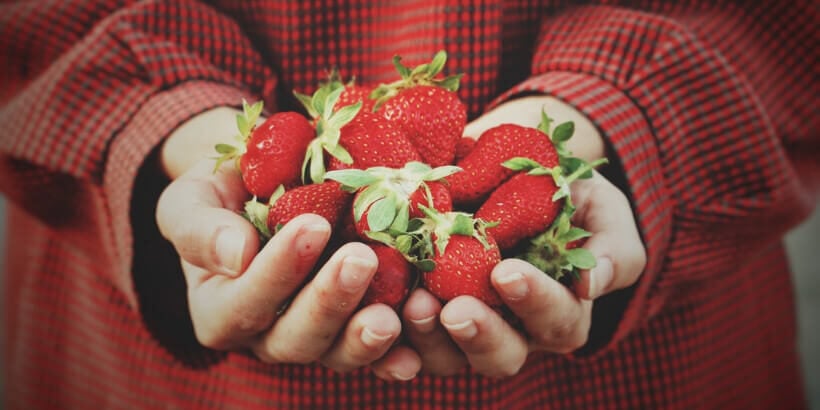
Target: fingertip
596, 281
400, 364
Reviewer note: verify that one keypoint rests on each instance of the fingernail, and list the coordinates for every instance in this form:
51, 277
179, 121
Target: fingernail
425, 325
600, 277
355, 273
464, 330
311, 239
402, 377
230, 246
512, 284
373, 339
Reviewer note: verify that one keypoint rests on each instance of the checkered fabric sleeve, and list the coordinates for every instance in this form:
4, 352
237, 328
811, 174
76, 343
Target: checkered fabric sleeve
96, 90
704, 162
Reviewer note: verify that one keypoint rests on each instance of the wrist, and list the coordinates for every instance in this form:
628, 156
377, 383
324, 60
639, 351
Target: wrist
586, 143
195, 139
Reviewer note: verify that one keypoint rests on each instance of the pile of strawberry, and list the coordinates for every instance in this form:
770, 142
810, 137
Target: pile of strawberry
389, 166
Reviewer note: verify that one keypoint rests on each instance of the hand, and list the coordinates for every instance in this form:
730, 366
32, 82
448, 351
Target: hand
466, 331
237, 292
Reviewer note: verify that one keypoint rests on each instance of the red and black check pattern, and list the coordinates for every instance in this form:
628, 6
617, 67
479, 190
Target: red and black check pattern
709, 108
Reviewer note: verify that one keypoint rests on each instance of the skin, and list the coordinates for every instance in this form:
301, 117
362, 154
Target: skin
235, 288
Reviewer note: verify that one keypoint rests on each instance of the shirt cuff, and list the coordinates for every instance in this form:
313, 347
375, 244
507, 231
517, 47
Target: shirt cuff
157, 118
631, 146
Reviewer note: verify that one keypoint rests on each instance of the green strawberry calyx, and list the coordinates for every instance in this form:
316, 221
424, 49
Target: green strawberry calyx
553, 251
245, 122
329, 123
423, 74
257, 214
384, 193
429, 236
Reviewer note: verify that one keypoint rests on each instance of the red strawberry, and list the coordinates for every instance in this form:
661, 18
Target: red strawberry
462, 256
463, 147
537, 206
271, 153
373, 141
442, 201
355, 93
392, 281
426, 108
483, 171
353, 137
327, 199
522, 206
433, 119
387, 198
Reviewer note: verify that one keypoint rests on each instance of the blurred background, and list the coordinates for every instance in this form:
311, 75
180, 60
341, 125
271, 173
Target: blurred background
803, 244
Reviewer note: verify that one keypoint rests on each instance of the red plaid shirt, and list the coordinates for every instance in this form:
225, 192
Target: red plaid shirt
709, 108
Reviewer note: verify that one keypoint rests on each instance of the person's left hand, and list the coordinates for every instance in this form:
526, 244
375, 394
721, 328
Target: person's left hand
555, 319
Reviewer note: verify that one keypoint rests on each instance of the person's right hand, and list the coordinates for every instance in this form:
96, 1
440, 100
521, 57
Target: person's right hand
241, 296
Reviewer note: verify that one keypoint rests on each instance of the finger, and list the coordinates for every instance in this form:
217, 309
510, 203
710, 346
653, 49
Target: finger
491, 345
615, 242
197, 214
555, 319
321, 309
439, 354
228, 311
369, 334
401, 363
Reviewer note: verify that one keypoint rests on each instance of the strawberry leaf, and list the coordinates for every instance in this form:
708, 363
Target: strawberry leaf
401, 68
573, 234
225, 148
339, 152
257, 214
402, 218
581, 258
352, 178
441, 172
381, 214
521, 164
343, 116
306, 102
545, 124
563, 132
317, 165
463, 224
425, 265
437, 64
450, 83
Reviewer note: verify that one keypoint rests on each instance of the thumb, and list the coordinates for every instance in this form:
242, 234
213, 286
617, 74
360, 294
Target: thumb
605, 211
198, 214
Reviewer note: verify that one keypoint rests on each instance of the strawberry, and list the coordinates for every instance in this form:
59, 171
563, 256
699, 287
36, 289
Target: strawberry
386, 198
327, 200
483, 169
436, 196
373, 141
270, 154
463, 147
455, 254
523, 207
536, 204
355, 93
391, 283
354, 138
426, 108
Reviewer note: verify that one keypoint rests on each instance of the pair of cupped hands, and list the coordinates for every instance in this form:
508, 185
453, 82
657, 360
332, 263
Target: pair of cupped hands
237, 288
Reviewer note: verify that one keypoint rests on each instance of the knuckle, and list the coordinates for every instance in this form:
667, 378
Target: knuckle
507, 370
209, 338
292, 355
246, 319
330, 304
